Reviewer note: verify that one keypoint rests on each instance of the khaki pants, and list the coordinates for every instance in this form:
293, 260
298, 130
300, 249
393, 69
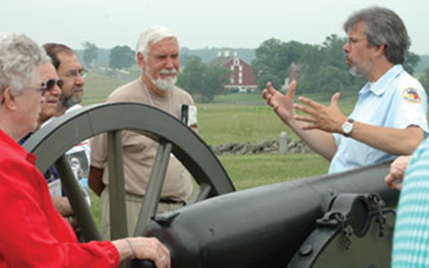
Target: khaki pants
133, 205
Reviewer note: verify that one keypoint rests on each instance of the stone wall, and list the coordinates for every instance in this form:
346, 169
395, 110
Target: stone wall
264, 146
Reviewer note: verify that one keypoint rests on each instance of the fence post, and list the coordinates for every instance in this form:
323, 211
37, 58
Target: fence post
283, 143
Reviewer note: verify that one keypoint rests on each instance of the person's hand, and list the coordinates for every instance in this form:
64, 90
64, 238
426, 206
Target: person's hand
144, 248
319, 116
62, 205
397, 170
281, 104
95, 180
73, 222
151, 248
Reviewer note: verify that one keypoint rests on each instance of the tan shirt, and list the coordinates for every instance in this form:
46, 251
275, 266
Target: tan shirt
139, 151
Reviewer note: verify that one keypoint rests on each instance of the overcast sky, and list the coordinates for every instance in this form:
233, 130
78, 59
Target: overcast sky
199, 23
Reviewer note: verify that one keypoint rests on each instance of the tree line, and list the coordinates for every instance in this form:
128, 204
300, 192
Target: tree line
120, 57
318, 68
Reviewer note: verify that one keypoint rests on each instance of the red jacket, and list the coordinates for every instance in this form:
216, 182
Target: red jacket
32, 233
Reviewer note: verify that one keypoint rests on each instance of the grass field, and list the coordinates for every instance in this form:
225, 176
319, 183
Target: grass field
98, 87
262, 169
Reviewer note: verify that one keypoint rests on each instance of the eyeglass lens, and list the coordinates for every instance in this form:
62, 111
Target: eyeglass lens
75, 73
50, 84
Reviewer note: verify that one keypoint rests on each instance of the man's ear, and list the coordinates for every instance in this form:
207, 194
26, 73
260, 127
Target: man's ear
379, 49
8, 99
140, 60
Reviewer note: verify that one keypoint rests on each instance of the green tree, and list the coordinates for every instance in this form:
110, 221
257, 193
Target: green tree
190, 77
273, 59
184, 59
324, 69
121, 57
202, 81
89, 53
332, 51
215, 78
411, 59
424, 79
263, 79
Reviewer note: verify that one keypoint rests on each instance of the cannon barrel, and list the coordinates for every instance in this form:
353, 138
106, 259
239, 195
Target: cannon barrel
259, 227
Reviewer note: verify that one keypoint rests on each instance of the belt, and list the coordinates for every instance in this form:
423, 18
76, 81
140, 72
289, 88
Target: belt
170, 201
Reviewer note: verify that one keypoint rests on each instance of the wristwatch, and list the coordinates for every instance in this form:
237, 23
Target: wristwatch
347, 127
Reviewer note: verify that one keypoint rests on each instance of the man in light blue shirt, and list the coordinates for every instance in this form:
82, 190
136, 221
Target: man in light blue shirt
390, 116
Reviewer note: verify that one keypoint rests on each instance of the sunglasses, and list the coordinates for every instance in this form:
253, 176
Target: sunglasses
50, 85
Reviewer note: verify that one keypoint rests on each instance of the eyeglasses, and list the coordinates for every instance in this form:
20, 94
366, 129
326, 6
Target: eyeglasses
73, 73
353, 41
49, 85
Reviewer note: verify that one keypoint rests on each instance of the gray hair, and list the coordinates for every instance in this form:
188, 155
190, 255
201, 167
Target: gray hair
382, 26
151, 36
19, 58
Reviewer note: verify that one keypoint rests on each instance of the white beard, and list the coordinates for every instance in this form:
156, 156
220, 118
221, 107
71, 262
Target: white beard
163, 84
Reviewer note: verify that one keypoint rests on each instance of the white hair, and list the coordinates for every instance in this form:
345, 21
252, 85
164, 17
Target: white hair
19, 58
151, 36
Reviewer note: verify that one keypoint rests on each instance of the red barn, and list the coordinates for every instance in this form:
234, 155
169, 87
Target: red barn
242, 79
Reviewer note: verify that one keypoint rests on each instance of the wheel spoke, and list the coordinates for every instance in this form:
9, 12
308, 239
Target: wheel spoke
118, 214
77, 200
201, 193
154, 187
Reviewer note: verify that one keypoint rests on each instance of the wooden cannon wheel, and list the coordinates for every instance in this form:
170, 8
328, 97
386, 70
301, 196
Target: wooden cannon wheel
50, 143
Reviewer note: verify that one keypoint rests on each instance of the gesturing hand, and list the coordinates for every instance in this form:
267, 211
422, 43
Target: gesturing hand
281, 104
319, 116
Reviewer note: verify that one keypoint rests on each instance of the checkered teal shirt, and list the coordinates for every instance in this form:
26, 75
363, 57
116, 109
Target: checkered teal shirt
411, 238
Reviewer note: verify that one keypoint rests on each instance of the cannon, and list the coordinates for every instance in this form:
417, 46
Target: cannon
324, 221
292, 223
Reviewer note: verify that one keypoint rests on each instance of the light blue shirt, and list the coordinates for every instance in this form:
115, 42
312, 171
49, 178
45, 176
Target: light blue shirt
396, 100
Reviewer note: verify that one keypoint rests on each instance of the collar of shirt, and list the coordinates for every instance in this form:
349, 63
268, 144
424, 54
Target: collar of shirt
378, 88
7, 142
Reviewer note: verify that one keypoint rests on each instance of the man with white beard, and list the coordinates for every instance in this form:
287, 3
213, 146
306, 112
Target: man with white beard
158, 57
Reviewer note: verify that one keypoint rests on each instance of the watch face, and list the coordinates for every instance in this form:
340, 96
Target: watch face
347, 128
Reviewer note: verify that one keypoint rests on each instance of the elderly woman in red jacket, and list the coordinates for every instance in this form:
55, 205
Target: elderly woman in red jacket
33, 234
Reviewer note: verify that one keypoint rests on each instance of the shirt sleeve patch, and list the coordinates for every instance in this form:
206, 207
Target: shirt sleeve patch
411, 95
